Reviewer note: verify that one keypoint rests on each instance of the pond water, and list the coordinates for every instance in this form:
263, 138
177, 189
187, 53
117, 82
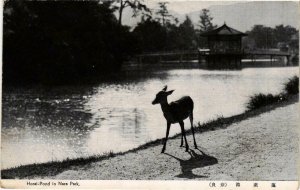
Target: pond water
41, 124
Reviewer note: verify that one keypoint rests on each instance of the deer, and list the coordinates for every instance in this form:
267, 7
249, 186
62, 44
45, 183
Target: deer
176, 112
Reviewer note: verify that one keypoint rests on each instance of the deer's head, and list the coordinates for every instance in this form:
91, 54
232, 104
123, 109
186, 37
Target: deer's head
161, 96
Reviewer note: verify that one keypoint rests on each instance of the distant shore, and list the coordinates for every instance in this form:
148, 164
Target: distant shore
46, 170
193, 64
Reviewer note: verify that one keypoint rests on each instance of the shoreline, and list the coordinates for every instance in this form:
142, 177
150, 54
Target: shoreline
56, 167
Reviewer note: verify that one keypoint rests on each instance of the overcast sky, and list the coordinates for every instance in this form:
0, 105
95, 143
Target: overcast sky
186, 6
242, 15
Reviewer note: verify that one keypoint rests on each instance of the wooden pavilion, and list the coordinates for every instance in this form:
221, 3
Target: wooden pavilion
224, 48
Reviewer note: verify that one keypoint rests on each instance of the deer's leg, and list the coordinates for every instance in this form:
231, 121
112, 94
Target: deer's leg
192, 127
166, 139
181, 140
183, 132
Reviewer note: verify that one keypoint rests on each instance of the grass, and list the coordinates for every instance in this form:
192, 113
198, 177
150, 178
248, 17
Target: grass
261, 100
49, 168
292, 86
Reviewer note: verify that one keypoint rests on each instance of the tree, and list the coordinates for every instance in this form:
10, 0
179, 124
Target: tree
187, 34
263, 36
60, 41
267, 37
284, 33
163, 14
205, 22
150, 35
135, 5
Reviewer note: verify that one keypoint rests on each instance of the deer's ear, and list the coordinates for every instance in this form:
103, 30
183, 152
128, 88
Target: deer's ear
170, 92
165, 88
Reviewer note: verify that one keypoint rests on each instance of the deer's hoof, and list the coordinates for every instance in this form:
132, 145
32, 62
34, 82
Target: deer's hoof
187, 149
163, 150
196, 146
181, 145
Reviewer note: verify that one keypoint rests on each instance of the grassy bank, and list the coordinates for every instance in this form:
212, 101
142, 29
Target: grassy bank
56, 167
291, 87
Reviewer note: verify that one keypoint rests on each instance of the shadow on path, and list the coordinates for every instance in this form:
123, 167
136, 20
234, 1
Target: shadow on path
196, 161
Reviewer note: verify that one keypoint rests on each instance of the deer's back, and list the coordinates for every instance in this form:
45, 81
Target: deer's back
182, 108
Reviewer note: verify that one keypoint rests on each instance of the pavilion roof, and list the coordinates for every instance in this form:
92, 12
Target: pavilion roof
224, 30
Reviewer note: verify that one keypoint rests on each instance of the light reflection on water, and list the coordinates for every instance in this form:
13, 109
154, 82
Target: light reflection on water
45, 124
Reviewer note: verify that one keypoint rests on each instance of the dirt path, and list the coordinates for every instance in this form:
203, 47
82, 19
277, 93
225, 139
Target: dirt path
259, 148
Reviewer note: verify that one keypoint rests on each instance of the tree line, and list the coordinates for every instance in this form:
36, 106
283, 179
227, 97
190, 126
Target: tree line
70, 41
61, 41
264, 37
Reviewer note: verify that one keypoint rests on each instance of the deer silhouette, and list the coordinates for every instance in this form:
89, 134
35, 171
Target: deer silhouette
176, 112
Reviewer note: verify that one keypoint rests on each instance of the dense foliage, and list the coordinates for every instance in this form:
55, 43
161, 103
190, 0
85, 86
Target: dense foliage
262, 36
152, 36
61, 41
292, 86
261, 100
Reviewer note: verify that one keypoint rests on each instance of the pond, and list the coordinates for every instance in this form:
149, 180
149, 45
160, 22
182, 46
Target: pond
41, 124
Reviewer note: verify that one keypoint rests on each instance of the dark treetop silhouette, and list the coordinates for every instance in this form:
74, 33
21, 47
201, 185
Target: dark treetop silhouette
59, 41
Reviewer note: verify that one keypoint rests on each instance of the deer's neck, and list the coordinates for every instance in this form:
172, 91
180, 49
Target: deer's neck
167, 112
164, 106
